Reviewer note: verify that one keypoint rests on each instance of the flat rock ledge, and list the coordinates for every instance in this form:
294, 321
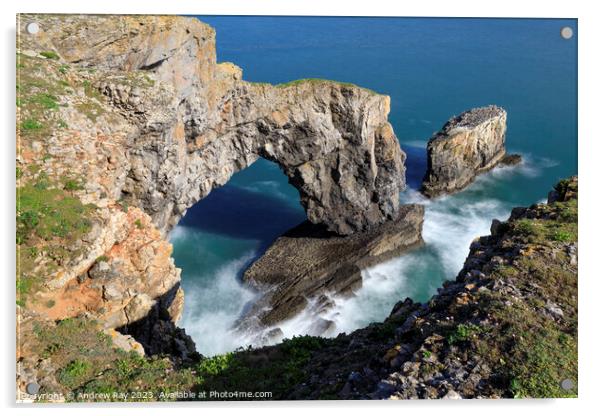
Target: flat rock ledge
309, 263
467, 145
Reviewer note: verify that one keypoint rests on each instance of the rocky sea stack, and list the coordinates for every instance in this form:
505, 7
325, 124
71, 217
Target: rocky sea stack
467, 145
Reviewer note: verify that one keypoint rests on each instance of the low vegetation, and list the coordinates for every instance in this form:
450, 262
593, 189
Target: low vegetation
49, 221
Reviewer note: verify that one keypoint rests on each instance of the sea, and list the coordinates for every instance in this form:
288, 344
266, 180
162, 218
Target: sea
433, 69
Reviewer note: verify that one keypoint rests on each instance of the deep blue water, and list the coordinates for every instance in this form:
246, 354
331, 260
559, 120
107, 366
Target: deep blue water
432, 69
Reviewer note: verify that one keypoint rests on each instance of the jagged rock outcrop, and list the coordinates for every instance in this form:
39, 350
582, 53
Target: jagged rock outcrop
308, 263
132, 118
467, 145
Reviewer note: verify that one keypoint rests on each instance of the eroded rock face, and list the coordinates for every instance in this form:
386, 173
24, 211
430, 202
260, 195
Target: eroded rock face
198, 122
307, 263
466, 146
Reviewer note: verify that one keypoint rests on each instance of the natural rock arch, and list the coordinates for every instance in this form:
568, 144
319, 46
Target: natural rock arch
331, 140
154, 124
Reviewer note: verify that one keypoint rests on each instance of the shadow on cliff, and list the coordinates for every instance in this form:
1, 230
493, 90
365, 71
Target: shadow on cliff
158, 334
415, 165
239, 213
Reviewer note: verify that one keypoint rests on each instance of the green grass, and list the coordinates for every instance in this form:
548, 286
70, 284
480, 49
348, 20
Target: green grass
31, 124
40, 91
88, 362
50, 221
45, 100
50, 55
541, 354
50, 212
538, 351
275, 370
542, 231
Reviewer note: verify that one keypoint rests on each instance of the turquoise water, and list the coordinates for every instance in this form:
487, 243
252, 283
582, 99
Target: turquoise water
432, 69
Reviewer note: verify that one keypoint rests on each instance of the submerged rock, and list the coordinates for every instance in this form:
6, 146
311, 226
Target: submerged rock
308, 261
467, 145
511, 160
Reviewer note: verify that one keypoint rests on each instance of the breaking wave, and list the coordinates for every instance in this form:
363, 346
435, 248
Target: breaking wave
212, 309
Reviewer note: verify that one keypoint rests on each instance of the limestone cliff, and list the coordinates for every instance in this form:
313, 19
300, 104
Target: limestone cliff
467, 145
124, 122
195, 122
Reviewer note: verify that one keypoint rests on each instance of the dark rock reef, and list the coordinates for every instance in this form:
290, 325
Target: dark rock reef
467, 145
308, 262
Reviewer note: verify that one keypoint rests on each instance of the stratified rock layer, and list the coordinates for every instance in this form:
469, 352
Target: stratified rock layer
307, 262
466, 146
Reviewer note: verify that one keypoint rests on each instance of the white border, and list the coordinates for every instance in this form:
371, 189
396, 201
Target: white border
589, 152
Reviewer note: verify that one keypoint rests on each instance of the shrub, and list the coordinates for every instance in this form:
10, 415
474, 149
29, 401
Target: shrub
73, 373
562, 236
463, 332
72, 185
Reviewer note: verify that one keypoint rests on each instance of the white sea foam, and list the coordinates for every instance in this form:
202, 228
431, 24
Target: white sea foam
212, 309
530, 167
451, 224
177, 233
